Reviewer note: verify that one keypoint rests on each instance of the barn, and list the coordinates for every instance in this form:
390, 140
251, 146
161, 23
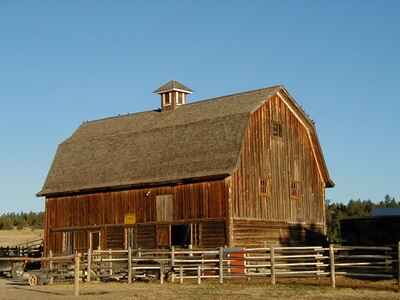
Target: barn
240, 170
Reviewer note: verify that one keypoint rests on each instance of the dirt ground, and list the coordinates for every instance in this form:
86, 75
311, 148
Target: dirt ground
207, 290
15, 237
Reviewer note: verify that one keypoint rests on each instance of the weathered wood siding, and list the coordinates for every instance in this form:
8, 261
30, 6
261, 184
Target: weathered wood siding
279, 161
192, 203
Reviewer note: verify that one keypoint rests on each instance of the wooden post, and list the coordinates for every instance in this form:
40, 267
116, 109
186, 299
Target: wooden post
190, 249
332, 265
51, 267
272, 258
221, 265
89, 265
110, 263
161, 273
181, 274
318, 264
173, 263
129, 264
76, 274
198, 274
398, 264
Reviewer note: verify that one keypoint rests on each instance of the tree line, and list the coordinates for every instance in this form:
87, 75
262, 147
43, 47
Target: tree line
21, 220
354, 208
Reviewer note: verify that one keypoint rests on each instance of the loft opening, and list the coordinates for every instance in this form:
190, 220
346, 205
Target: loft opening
276, 129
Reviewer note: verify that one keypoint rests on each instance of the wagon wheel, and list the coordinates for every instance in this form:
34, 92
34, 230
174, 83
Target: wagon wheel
33, 280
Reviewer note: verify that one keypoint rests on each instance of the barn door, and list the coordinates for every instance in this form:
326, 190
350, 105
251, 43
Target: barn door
94, 240
163, 235
164, 206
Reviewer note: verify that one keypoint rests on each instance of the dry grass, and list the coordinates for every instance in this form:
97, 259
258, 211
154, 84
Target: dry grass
15, 237
209, 290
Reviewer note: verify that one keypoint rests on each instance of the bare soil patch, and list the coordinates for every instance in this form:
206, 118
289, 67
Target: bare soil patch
207, 290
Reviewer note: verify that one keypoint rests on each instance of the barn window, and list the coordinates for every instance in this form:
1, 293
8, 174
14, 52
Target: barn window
164, 208
167, 99
276, 129
295, 191
264, 186
179, 100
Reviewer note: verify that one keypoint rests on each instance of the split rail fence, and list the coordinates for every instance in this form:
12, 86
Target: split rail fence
222, 264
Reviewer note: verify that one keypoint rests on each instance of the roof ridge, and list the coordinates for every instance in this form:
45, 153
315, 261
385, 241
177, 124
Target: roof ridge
158, 128
234, 94
196, 102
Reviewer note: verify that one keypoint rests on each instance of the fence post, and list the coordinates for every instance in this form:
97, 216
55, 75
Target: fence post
221, 265
190, 249
161, 273
173, 264
181, 274
110, 263
398, 264
89, 265
76, 273
198, 274
51, 267
272, 257
318, 263
129, 265
332, 265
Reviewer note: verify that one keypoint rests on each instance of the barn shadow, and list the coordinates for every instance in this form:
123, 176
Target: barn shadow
299, 235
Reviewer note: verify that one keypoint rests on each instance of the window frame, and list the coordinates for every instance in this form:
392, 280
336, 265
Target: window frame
167, 99
295, 185
276, 129
264, 184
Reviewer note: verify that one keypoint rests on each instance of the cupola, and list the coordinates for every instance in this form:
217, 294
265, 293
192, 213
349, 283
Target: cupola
173, 94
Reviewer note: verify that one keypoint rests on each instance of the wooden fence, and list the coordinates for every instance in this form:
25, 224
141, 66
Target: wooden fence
30, 249
222, 264
225, 263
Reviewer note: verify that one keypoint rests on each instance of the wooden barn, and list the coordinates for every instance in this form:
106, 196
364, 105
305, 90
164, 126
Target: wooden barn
238, 170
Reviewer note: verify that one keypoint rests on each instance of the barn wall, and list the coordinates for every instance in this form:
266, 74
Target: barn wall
252, 233
279, 161
195, 203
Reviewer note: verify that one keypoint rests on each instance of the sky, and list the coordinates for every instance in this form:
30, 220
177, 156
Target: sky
65, 62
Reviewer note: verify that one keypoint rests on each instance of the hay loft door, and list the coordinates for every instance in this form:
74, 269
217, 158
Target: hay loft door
164, 205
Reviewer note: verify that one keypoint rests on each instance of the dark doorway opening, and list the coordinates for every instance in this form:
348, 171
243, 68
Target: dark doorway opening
180, 235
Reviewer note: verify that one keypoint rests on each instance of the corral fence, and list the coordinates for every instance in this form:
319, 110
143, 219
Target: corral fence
221, 264
30, 249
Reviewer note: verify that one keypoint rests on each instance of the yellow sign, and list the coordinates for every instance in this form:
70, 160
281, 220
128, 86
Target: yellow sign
130, 219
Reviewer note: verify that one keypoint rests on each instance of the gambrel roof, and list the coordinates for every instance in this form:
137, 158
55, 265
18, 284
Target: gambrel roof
199, 140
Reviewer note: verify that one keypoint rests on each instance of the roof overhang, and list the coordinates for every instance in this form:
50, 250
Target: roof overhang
127, 186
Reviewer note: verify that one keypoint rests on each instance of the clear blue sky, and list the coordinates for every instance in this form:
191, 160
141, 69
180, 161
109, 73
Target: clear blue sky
63, 62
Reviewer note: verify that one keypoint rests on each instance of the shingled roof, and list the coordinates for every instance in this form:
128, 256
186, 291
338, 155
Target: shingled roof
171, 86
201, 139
